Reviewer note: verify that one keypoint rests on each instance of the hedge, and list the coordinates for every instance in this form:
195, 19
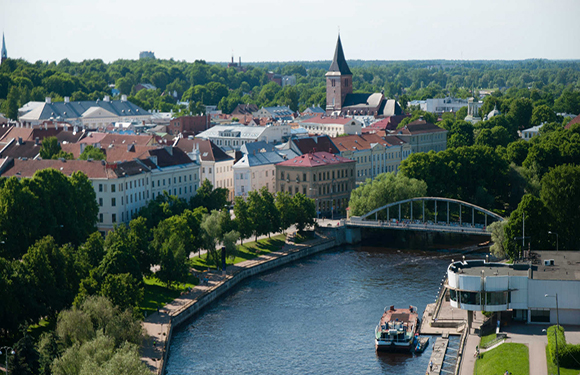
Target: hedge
569, 354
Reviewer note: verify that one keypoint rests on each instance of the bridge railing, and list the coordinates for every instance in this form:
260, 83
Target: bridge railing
432, 227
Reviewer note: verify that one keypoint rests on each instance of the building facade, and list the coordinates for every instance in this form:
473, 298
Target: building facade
422, 136
235, 135
525, 291
322, 176
332, 126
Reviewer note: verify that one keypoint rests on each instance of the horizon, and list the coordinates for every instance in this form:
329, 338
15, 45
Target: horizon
262, 33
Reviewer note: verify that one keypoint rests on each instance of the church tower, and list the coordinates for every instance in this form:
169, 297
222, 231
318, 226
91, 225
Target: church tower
338, 81
3, 53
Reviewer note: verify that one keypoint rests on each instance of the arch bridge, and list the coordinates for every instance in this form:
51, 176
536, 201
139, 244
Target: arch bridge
406, 221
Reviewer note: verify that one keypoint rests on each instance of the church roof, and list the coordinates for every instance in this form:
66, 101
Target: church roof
339, 62
4, 53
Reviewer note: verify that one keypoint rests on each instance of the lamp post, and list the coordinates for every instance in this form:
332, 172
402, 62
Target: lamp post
7, 349
550, 232
555, 338
557, 312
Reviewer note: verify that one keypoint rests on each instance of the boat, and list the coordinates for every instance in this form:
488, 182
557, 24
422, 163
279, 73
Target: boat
421, 343
396, 329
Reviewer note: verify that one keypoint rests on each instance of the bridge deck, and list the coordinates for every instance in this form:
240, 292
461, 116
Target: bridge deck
423, 227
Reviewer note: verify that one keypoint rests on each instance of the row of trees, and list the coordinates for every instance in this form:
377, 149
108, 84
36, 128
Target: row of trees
201, 83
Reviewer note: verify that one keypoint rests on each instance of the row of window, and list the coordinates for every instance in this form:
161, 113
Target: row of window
176, 180
322, 176
376, 170
322, 190
244, 176
479, 298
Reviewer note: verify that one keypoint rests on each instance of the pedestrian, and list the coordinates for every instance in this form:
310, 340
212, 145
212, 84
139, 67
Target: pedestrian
430, 365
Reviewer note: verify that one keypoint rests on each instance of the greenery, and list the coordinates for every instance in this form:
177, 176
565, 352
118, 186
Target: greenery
158, 294
506, 357
93, 153
487, 339
50, 149
567, 354
553, 368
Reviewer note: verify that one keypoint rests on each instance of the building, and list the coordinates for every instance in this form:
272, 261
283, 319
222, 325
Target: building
288, 80
530, 133
494, 112
144, 86
524, 291
308, 145
422, 136
473, 111
123, 188
257, 168
373, 155
322, 176
340, 99
3, 52
91, 114
189, 125
233, 136
575, 120
245, 109
314, 110
146, 55
332, 126
216, 165
442, 105
275, 113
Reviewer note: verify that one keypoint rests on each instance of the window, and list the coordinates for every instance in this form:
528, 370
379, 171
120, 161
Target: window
333, 82
303, 176
282, 175
114, 216
266, 173
100, 188
101, 202
113, 201
296, 190
179, 179
163, 182
121, 201
130, 184
139, 195
100, 218
314, 177
174, 180
113, 187
304, 190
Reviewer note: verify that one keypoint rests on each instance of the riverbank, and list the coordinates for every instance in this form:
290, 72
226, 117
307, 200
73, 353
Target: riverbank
159, 326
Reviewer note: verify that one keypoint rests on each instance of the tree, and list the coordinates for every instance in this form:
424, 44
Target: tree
50, 147
305, 211
561, 196
208, 197
25, 359
48, 350
287, 209
518, 151
123, 290
272, 214
173, 241
497, 229
257, 212
93, 153
521, 110
243, 220
384, 189
212, 236
10, 105
542, 114
498, 136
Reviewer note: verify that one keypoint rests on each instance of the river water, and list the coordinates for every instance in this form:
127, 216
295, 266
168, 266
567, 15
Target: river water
314, 316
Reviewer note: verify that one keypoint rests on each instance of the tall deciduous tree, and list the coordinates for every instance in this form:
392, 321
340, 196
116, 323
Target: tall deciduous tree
243, 219
91, 152
287, 209
49, 148
305, 211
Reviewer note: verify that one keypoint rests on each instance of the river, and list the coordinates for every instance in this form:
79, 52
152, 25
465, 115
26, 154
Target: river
314, 316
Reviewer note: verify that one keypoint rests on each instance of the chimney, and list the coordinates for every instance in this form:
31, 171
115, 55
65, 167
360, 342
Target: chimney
47, 100
107, 98
36, 141
19, 140
123, 98
46, 126
66, 100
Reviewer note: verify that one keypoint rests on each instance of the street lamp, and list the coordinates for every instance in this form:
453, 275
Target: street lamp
7, 349
550, 232
557, 312
556, 338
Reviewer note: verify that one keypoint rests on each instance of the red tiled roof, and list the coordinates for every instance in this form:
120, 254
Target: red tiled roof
316, 159
315, 143
72, 148
575, 120
16, 133
141, 140
125, 152
27, 168
323, 119
419, 127
93, 137
358, 142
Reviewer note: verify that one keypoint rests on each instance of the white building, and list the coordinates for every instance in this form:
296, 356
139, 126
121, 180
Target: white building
441, 105
527, 290
373, 154
235, 135
332, 126
122, 189
91, 114
216, 165
257, 168
530, 133
422, 136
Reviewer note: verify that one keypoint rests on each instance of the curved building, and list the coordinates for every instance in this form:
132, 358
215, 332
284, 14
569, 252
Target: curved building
526, 290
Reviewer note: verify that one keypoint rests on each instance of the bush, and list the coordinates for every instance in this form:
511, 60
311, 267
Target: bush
567, 353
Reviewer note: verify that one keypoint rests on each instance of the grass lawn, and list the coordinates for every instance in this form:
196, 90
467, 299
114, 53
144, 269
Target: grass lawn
553, 369
156, 293
248, 250
304, 236
511, 357
486, 339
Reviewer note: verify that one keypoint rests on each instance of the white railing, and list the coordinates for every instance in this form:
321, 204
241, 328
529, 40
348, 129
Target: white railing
420, 227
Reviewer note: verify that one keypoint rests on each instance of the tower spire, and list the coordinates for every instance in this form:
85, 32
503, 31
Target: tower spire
339, 62
3, 52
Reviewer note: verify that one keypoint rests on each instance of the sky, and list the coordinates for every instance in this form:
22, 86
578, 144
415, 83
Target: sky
297, 30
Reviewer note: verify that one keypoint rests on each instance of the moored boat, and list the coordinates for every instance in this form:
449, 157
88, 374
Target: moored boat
396, 329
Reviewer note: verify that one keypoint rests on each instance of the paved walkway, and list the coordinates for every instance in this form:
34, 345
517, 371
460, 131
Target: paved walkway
157, 325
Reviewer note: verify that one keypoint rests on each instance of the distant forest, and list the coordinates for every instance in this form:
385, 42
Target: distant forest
201, 83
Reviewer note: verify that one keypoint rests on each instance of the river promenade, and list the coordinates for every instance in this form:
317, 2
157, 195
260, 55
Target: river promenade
159, 326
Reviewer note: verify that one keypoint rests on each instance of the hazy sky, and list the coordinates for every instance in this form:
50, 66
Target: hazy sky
261, 30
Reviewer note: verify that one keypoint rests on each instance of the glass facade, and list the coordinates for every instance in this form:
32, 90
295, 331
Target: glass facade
478, 298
